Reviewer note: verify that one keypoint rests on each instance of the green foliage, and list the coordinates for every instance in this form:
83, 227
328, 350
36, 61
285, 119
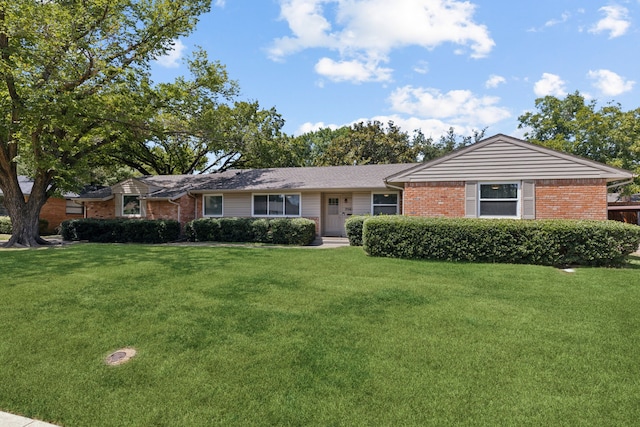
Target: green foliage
6, 228
281, 231
607, 134
72, 87
5, 225
553, 242
120, 230
353, 225
374, 143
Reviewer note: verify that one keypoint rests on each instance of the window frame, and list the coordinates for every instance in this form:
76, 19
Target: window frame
70, 203
204, 213
284, 205
383, 193
517, 199
138, 215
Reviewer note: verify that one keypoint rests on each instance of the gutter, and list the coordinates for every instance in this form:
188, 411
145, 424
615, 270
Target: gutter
620, 184
395, 187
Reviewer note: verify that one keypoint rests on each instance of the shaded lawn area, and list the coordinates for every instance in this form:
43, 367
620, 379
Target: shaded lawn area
279, 336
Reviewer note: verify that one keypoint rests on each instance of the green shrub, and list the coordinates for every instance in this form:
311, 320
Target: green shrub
353, 225
120, 230
282, 231
548, 242
5, 225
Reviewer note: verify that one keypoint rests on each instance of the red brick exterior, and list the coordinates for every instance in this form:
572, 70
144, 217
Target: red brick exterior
101, 210
434, 199
54, 212
554, 199
571, 199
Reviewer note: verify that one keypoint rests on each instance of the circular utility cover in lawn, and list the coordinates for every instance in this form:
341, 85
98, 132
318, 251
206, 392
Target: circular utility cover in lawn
119, 357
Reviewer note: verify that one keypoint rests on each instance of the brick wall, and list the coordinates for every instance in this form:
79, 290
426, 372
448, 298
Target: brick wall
434, 199
54, 212
571, 199
555, 199
101, 210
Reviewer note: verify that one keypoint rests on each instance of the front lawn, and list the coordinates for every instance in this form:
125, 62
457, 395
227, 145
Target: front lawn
280, 336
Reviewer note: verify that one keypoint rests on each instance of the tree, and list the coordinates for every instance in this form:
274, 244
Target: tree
607, 134
67, 72
369, 143
374, 143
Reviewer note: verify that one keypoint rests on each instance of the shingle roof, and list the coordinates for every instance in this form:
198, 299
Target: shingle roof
26, 184
303, 178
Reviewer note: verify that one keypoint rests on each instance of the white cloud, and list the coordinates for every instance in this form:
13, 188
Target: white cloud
550, 84
422, 67
371, 29
220, 3
553, 22
459, 107
616, 21
610, 83
494, 81
354, 71
172, 58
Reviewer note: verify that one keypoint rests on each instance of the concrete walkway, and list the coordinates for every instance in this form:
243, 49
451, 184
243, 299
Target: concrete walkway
10, 420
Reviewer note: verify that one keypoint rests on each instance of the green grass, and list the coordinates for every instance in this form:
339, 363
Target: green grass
270, 336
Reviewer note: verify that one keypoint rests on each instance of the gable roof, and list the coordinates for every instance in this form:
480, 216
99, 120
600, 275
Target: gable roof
321, 178
503, 157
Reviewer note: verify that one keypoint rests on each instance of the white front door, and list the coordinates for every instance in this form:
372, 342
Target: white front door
337, 207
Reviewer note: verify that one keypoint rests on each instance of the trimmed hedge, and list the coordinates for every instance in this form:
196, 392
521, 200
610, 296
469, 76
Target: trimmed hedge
280, 231
542, 242
121, 230
353, 225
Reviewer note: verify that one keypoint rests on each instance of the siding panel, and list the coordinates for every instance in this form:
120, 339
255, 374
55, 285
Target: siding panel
505, 161
237, 204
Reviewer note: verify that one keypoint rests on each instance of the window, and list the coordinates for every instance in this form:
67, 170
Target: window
276, 205
212, 205
74, 208
131, 205
500, 200
385, 204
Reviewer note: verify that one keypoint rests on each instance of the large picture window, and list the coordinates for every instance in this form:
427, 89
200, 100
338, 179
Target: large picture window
131, 205
212, 205
276, 205
500, 200
385, 204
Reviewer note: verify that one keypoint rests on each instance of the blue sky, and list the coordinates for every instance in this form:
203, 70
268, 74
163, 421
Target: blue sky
427, 64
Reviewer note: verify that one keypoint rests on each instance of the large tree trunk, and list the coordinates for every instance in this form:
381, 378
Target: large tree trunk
25, 215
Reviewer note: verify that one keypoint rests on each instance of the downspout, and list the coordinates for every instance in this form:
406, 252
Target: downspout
395, 187
178, 205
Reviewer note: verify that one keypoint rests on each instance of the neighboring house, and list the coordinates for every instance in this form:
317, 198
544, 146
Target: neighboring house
627, 210
54, 211
498, 177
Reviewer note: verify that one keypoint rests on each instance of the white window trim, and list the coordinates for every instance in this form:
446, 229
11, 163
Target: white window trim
204, 215
518, 199
397, 204
140, 215
253, 211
